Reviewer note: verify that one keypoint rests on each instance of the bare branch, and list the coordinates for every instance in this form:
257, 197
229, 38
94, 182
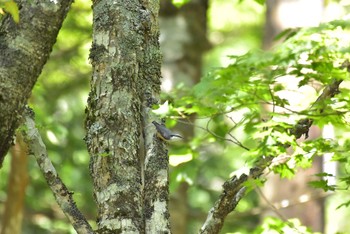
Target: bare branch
273, 101
234, 140
63, 197
276, 211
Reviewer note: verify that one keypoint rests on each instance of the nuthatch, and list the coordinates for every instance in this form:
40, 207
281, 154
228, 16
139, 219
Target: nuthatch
164, 133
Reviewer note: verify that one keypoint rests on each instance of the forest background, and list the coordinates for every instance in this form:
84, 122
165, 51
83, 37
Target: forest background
207, 158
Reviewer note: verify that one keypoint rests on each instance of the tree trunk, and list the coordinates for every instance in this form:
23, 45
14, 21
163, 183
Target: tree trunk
18, 180
283, 14
129, 165
24, 49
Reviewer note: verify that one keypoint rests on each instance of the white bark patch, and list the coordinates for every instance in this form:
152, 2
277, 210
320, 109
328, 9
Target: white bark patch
48, 167
108, 193
158, 219
164, 175
115, 224
101, 38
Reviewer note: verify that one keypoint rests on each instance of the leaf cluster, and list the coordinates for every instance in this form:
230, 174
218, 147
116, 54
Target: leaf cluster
261, 97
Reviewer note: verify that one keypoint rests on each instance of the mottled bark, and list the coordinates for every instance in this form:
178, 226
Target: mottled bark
24, 49
125, 84
156, 190
64, 198
156, 160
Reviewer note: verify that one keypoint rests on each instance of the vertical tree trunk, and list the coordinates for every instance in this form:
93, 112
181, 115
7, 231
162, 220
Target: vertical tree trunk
128, 164
18, 180
183, 42
283, 14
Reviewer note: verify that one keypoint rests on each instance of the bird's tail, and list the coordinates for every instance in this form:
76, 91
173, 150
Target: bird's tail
175, 135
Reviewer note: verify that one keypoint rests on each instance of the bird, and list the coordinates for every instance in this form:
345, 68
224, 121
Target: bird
164, 133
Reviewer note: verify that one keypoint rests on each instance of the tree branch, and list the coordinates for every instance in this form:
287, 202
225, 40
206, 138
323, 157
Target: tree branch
25, 48
234, 189
63, 197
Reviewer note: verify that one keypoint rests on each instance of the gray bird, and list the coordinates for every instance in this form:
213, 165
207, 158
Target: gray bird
164, 133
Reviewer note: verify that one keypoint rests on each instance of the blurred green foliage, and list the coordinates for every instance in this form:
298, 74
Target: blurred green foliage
228, 102
277, 226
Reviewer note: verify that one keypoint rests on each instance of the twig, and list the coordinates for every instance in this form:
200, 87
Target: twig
63, 197
275, 210
235, 141
273, 100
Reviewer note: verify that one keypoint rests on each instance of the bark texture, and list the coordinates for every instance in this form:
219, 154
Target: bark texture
64, 198
131, 194
24, 49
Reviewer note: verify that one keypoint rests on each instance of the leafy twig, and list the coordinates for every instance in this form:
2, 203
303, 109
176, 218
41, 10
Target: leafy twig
234, 188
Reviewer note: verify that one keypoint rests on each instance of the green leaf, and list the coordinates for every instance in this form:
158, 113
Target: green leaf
323, 174
274, 225
179, 3
261, 2
322, 184
284, 170
289, 32
251, 184
346, 204
12, 8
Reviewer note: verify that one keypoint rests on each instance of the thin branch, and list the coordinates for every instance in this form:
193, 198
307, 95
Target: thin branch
63, 197
228, 111
306, 114
273, 100
258, 210
235, 124
275, 210
234, 141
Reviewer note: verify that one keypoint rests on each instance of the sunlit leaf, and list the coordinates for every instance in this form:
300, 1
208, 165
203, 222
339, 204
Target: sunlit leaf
346, 204
322, 184
179, 3
12, 8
